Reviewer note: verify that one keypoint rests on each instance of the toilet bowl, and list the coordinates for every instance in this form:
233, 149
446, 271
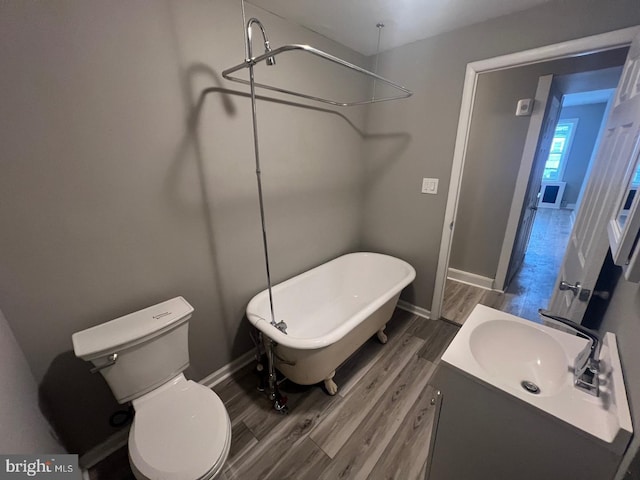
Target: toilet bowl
181, 429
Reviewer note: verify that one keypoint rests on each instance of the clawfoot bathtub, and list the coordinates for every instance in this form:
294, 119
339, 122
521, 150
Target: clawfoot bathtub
330, 311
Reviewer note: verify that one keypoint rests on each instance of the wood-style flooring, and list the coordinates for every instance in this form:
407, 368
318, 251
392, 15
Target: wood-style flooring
460, 299
378, 426
533, 284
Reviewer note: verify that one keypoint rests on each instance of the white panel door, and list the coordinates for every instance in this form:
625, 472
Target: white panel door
588, 242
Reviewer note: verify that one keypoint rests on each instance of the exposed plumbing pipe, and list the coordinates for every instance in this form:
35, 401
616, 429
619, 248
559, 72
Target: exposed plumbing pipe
278, 401
256, 149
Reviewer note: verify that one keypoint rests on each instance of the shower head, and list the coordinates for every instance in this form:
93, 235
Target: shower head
267, 49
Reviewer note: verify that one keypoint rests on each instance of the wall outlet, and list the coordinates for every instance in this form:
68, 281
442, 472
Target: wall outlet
430, 185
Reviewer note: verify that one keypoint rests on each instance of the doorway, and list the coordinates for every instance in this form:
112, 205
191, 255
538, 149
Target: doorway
489, 292
566, 170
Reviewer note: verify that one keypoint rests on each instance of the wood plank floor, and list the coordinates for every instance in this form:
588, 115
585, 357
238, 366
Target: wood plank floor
460, 299
378, 426
531, 287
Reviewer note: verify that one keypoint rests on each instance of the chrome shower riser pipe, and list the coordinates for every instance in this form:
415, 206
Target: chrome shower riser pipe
256, 148
273, 394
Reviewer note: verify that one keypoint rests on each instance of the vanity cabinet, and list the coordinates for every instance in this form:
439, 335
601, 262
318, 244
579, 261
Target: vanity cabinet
482, 433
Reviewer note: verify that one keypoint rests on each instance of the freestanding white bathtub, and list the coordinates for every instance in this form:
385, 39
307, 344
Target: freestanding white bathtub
330, 311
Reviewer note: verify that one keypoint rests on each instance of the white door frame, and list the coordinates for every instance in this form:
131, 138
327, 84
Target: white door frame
571, 48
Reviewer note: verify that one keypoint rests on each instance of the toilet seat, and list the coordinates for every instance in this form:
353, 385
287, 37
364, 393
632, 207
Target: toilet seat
181, 431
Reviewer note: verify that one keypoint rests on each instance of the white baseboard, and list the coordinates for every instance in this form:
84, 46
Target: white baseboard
409, 307
227, 370
471, 279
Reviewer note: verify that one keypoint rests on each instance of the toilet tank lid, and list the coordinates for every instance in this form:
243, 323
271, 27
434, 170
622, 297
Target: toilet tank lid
130, 329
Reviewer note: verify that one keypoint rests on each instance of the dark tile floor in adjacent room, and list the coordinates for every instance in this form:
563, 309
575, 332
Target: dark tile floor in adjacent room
532, 286
378, 426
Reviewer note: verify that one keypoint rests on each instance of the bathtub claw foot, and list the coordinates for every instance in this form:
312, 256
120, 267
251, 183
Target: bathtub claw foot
382, 337
330, 385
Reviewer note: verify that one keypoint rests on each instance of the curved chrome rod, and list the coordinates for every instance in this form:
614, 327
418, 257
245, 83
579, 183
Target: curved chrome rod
267, 49
269, 58
319, 53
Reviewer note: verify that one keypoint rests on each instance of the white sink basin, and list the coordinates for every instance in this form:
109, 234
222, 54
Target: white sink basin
503, 351
514, 352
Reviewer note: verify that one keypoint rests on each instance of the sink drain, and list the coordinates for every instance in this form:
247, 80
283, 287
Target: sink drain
530, 387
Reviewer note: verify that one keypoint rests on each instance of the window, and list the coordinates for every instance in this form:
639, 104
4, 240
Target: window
559, 151
635, 181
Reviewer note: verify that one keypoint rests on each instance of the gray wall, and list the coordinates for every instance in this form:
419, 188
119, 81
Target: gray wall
116, 192
589, 122
398, 219
24, 428
494, 153
623, 319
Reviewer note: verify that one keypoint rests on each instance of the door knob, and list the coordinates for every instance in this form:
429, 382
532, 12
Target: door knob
567, 286
583, 293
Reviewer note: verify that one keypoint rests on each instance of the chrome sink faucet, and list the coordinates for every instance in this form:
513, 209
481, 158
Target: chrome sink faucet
587, 364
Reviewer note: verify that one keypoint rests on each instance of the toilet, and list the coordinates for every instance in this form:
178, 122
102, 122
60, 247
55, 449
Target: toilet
181, 429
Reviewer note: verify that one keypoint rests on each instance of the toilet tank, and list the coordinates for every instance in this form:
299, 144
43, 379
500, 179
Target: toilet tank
139, 352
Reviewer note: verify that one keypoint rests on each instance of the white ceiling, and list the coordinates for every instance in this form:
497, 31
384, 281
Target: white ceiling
353, 22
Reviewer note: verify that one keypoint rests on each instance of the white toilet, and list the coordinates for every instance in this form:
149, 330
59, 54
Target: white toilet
181, 429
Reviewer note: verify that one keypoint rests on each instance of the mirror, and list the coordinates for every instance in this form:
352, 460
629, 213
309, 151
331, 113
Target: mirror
628, 198
624, 227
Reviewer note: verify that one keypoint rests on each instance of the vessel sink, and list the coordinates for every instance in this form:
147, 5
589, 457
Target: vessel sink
533, 363
514, 352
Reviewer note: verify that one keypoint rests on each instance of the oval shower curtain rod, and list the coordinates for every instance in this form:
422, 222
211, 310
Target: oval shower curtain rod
269, 57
